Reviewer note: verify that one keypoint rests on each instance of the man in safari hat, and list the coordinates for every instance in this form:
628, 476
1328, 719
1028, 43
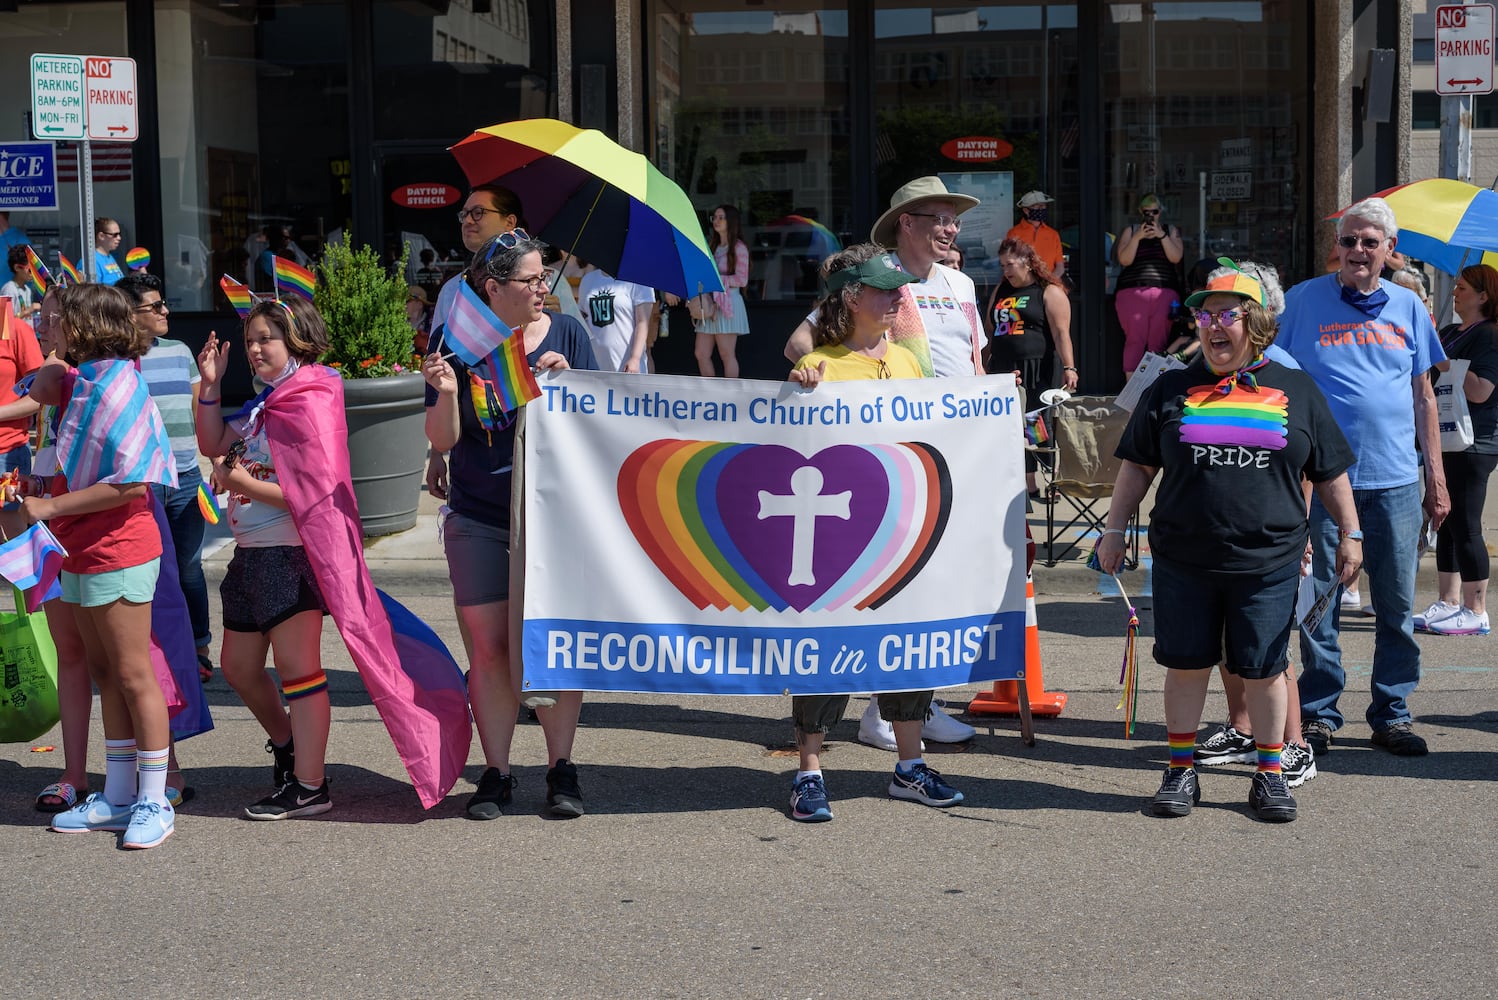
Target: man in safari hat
937, 320
1032, 228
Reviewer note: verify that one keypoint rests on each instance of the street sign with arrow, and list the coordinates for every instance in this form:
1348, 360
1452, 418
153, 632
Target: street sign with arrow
111, 99
1464, 49
57, 104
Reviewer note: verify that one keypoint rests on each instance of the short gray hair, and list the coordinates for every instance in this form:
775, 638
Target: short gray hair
1268, 279
1374, 212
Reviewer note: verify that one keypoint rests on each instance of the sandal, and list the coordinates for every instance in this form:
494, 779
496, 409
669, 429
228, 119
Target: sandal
66, 797
205, 669
177, 796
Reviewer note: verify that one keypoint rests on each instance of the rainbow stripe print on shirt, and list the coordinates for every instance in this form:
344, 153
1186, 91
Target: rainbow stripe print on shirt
1247, 417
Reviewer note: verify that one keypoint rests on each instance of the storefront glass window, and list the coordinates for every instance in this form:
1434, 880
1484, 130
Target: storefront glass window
67, 29
750, 110
985, 97
254, 140
1206, 106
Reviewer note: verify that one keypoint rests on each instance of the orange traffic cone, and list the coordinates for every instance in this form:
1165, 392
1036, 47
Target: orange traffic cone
1004, 698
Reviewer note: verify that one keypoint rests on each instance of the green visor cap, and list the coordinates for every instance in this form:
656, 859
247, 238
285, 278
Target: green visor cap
882, 271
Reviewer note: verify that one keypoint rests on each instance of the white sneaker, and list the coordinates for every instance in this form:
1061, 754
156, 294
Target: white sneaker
1434, 613
873, 730
1464, 622
1351, 600
940, 727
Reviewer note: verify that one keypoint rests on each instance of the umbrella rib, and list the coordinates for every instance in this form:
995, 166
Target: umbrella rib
570, 250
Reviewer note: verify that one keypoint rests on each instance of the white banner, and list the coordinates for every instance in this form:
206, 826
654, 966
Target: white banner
717, 536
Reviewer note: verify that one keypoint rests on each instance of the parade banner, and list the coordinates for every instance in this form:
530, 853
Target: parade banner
717, 536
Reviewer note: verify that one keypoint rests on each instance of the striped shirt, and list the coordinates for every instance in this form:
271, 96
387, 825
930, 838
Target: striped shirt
170, 372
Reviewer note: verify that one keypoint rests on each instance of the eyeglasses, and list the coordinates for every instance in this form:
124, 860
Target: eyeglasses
44, 321
944, 221
1224, 318
884, 370
540, 282
1367, 242
159, 307
1152, 212
477, 213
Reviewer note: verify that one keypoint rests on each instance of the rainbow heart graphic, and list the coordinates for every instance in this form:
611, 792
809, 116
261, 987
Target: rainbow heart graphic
762, 526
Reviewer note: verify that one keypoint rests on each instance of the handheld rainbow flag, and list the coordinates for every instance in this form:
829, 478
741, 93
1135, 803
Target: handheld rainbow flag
137, 258
40, 276
207, 504
514, 383
294, 277
69, 269
240, 296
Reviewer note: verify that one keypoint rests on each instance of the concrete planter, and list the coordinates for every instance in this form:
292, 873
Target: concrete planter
387, 449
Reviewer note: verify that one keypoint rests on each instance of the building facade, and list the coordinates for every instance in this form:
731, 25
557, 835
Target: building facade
273, 120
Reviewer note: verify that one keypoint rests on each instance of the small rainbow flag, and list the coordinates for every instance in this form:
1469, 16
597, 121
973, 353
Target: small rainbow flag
137, 258
207, 504
40, 276
514, 383
239, 295
69, 269
294, 277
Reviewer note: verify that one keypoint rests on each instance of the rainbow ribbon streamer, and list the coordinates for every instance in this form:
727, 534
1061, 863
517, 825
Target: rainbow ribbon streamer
1128, 674
294, 277
69, 269
240, 296
207, 504
138, 258
40, 276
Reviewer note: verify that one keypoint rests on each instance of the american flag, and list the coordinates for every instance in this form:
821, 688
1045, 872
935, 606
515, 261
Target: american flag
31, 561
112, 162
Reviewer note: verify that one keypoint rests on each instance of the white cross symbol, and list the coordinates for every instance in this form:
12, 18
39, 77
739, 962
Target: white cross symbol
805, 504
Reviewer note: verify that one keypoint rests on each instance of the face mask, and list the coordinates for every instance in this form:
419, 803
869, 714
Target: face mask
292, 364
1036, 214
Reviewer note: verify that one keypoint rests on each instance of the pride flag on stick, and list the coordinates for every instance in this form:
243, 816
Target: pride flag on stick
40, 276
69, 269
294, 277
239, 296
31, 562
473, 333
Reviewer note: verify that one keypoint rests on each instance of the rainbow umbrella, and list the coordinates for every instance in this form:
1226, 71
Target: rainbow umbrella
585, 193
1447, 223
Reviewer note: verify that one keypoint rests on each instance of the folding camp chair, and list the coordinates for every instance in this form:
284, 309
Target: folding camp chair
1085, 431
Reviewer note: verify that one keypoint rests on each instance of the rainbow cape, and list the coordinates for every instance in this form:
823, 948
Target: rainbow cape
69, 269
414, 683
239, 296
293, 277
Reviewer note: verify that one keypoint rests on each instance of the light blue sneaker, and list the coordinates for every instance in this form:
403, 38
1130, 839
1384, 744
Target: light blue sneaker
150, 824
93, 813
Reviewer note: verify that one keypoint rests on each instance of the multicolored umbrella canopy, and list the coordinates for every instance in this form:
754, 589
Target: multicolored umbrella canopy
582, 191
823, 242
1447, 223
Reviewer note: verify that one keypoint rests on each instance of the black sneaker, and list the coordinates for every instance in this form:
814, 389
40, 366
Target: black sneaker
1297, 764
1400, 740
293, 800
283, 763
1179, 791
1318, 736
563, 798
494, 793
1226, 746
1270, 798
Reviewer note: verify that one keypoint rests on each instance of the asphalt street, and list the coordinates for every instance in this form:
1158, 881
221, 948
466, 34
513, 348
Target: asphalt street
687, 878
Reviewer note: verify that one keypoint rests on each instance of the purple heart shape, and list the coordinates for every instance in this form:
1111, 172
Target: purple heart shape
768, 544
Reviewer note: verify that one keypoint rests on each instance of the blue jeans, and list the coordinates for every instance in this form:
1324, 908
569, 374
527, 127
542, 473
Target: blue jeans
18, 459
1390, 520
181, 506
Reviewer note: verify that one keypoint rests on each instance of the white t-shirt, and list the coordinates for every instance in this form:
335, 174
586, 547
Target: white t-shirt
260, 525
608, 308
939, 299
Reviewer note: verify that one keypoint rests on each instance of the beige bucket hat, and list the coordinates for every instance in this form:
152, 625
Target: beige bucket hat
912, 195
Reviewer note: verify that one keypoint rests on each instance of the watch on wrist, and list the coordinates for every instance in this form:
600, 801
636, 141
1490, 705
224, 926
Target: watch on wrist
1355, 535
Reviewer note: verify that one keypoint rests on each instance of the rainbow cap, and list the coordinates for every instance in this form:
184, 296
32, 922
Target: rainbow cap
1237, 283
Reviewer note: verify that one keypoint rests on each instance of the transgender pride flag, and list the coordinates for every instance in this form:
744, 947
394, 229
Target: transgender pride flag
31, 562
473, 332
111, 431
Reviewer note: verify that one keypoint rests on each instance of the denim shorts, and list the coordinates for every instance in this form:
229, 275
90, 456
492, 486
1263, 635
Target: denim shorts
478, 560
1242, 620
136, 584
18, 459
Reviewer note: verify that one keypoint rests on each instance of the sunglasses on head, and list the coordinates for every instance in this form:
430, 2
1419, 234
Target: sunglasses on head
1367, 242
506, 241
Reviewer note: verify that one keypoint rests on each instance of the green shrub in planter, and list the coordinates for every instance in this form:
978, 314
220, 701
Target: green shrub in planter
364, 306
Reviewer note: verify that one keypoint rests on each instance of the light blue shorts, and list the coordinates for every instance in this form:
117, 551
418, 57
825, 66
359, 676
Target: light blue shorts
136, 584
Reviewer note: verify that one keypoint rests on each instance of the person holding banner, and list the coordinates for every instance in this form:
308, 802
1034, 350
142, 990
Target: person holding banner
1234, 437
1461, 554
466, 416
863, 295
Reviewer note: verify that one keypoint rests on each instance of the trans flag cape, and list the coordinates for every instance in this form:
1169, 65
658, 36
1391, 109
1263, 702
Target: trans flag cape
412, 680
111, 431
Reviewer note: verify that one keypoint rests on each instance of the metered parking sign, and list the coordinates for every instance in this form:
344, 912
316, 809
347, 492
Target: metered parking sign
28, 176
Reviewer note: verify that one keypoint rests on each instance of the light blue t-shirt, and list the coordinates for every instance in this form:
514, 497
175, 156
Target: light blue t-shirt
109, 268
1364, 365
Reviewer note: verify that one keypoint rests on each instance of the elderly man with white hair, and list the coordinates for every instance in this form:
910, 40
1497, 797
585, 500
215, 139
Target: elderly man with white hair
1369, 345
